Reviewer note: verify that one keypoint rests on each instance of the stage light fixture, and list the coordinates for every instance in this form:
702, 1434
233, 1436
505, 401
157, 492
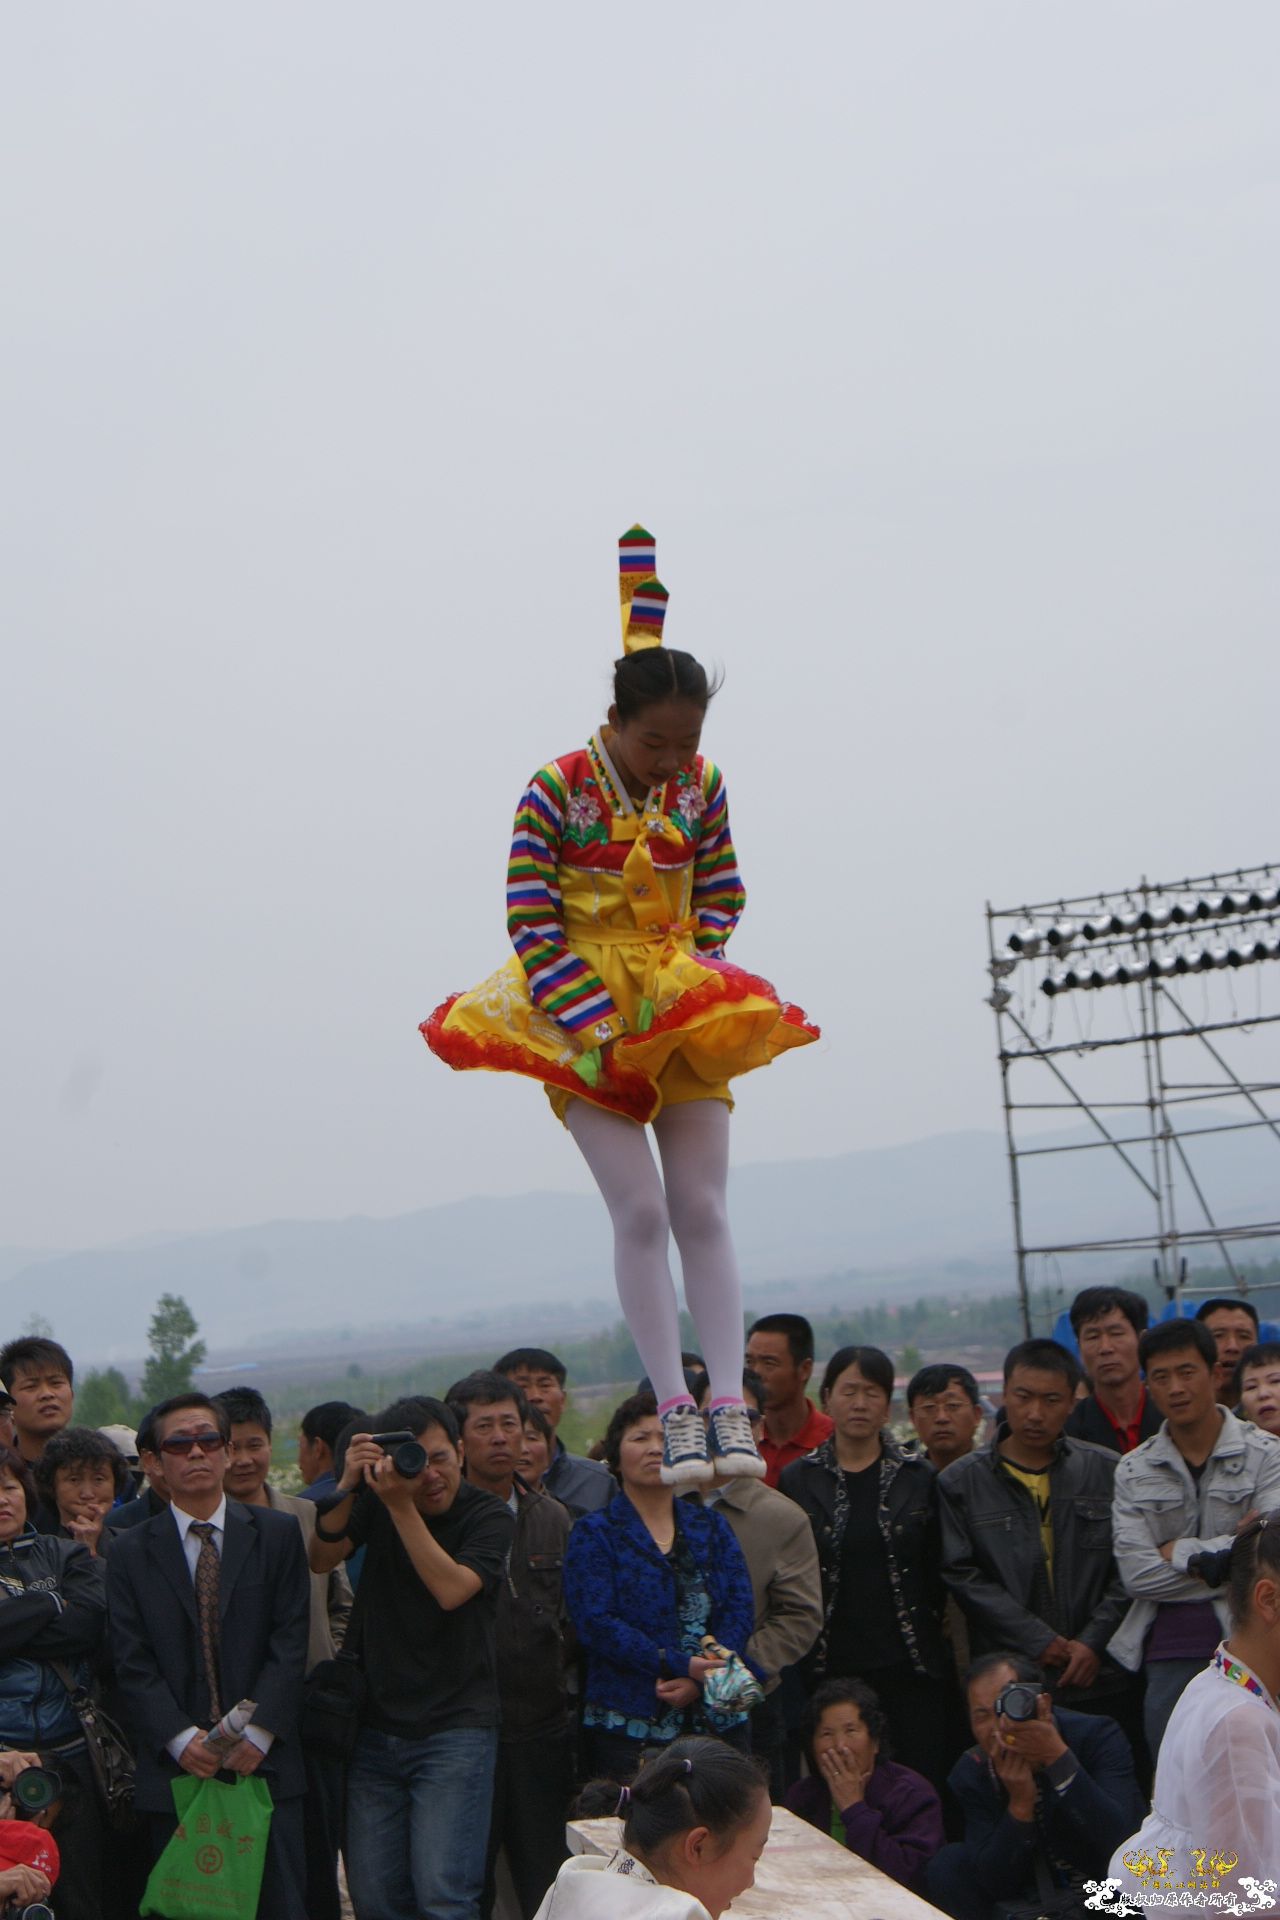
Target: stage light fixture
1026, 941
1061, 935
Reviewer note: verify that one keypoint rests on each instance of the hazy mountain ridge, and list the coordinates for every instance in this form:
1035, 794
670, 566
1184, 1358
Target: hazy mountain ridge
931, 1215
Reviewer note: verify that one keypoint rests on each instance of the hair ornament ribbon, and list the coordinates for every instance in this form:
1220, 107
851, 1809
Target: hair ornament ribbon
642, 595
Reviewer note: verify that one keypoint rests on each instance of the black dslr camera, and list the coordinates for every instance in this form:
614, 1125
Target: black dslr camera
1018, 1701
408, 1456
34, 1791
36, 1911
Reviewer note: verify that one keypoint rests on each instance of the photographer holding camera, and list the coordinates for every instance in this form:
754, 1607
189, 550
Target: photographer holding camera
30, 1796
1046, 1795
420, 1778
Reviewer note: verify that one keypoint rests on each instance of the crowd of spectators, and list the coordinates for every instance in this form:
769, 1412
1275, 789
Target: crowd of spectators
956, 1652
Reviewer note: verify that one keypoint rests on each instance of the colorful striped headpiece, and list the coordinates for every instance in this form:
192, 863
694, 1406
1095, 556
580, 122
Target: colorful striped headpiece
643, 596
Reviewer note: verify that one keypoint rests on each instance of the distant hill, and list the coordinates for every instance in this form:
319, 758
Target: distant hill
929, 1216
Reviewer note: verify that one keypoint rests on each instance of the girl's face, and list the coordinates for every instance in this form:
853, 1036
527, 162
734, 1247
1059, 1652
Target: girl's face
841, 1727
640, 1453
13, 1506
535, 1456
716, 1870
658, 741
857, 1405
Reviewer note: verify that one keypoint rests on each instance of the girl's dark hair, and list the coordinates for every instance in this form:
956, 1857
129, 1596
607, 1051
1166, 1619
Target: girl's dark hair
1254, 1554
872, 1363
695, 1782
634, 1409
71, 1448
11, 1462
840, 1693
641, 680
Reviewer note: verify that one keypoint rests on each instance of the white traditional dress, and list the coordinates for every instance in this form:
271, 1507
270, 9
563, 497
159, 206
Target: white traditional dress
1214, 1824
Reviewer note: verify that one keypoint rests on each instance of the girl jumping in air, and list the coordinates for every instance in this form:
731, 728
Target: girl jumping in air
622, 889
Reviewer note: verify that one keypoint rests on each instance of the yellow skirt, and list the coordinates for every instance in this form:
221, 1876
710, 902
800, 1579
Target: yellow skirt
711, 1022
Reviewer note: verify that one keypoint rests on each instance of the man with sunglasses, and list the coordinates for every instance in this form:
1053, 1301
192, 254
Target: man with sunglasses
209, 1604
782, 1558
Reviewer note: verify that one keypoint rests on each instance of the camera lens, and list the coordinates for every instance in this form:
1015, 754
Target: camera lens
409, 1458
1017, 1701
36, 1789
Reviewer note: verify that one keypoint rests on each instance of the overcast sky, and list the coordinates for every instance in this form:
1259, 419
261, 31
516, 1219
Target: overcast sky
936, 344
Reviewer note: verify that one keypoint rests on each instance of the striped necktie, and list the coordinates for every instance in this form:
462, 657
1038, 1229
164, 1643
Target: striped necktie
208, 1568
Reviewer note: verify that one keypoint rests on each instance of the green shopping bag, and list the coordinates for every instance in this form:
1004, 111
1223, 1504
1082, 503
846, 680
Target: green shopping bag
212, 1867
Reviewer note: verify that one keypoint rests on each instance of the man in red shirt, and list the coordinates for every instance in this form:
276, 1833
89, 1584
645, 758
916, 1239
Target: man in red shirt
1234, 1325
1108, 1323
780, 1351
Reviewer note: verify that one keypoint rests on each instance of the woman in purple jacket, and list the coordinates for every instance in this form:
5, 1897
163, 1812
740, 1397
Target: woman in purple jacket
886, 1813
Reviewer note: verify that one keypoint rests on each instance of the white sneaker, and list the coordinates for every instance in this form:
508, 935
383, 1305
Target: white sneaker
684, 1447
732, 1446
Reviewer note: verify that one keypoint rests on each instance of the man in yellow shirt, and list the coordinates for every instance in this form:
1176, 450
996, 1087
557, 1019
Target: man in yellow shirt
1026, 1538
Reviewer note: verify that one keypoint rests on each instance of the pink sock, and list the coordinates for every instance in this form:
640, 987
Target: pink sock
680, 1400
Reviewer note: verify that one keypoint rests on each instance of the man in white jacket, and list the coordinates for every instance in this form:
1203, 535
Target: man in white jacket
1183, 1493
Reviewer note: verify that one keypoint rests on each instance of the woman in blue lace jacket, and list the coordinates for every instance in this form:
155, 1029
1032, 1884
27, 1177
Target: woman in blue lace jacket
646, 1578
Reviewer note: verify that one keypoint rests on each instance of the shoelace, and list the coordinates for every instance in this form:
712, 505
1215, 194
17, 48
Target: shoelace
684, 1434
733, 1430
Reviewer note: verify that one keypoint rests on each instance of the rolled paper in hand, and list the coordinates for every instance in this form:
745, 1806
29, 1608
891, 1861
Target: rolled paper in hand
227, 1733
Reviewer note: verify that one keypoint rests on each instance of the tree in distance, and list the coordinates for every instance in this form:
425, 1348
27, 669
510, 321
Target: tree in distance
103, 1399
175, 1350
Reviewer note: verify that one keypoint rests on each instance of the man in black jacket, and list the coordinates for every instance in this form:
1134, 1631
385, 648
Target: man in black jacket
532, 1782
154, 1497
208, 1605
1057, 1784
1026, 1538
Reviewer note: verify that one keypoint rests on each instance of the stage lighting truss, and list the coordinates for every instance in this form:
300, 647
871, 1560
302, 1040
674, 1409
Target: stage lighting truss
1118, 963
1152, 938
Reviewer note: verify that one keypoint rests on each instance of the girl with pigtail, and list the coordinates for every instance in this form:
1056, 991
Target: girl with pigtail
622, 890
694, 1824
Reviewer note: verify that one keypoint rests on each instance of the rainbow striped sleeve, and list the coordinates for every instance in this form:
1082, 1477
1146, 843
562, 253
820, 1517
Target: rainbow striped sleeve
561, 984
718, 892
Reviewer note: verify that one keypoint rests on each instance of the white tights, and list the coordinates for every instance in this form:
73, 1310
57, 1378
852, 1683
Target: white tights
688, 1200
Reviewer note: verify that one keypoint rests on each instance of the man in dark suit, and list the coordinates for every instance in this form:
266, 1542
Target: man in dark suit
209, 1604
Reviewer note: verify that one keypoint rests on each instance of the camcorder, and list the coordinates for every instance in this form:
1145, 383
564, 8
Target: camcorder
1018, 1701
408, 1456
